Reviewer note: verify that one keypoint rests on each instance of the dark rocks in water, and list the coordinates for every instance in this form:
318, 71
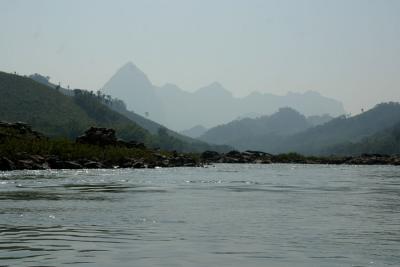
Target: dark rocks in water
95, 136
6, 164
98, 136
56, 163
89, 164
259, 157
211, 156
138, 165
235, 156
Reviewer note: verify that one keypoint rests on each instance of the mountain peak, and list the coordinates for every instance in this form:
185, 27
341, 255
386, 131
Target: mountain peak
130, 68
213, 88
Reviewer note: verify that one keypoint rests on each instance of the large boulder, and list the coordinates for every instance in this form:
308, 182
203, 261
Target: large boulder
210, 156
98, 136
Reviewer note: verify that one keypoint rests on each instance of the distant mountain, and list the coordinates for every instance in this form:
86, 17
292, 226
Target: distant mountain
334, 137
131, 85
195, 131
320, 139
316, 120
210, 105
282, 123
374, 131
183, 142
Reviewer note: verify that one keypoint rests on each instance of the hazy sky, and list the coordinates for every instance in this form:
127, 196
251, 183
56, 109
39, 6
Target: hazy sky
348, 50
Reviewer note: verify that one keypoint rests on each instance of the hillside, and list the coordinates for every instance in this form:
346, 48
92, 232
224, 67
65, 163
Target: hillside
58, 114
384, 142
195, 131
55, 114
373, 131
328, 138
284, 122
318, 140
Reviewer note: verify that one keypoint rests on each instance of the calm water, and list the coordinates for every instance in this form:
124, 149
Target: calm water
227, 215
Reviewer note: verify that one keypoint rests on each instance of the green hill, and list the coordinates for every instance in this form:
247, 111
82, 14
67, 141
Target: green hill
319, 140
57, 114
335, 136
240, 132
383, 142
374, 131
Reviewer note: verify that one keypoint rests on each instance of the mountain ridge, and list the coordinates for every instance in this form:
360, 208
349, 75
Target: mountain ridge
209, 105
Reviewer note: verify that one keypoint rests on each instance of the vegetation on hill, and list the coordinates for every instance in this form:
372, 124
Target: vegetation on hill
384, 142
284, 122
321, 139
373, 131
56, 113
364, 133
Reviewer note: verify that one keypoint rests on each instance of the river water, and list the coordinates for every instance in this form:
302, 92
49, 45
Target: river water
223, 215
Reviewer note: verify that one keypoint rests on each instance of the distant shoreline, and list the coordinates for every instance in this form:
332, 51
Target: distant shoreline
22, 148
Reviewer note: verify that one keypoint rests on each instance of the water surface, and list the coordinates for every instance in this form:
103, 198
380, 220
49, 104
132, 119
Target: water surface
226, 215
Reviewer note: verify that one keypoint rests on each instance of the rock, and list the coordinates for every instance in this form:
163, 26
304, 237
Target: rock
56, 163
234, 154
211, 156
98, 136
138, 165
71, 165
92, 165
6, 164
25, 164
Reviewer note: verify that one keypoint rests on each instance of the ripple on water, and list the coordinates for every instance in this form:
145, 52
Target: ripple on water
226, 215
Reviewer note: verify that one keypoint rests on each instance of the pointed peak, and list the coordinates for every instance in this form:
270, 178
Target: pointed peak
129, 69
129, 66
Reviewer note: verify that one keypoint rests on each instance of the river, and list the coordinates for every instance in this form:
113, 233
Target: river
223, 215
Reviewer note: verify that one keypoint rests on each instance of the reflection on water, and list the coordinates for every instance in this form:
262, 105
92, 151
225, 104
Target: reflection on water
228, 215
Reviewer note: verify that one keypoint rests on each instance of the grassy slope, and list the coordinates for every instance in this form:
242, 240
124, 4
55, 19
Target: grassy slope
55, 114
322, 140
58, 115
383, 142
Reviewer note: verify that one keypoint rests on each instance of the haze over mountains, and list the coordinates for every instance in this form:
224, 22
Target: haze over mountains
208, 106
374, 131
59, 112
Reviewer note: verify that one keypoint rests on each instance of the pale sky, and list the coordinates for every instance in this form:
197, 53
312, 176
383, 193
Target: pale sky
345, 49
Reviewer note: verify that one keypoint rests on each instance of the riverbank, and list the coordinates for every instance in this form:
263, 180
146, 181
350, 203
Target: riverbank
258, 157
23, 148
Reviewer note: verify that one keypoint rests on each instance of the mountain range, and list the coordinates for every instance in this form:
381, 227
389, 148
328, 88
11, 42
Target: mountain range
60, 112
373, 131
208, 106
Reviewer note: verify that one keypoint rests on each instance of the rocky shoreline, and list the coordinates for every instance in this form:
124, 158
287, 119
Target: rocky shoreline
104, 138
37, 162
258, 157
